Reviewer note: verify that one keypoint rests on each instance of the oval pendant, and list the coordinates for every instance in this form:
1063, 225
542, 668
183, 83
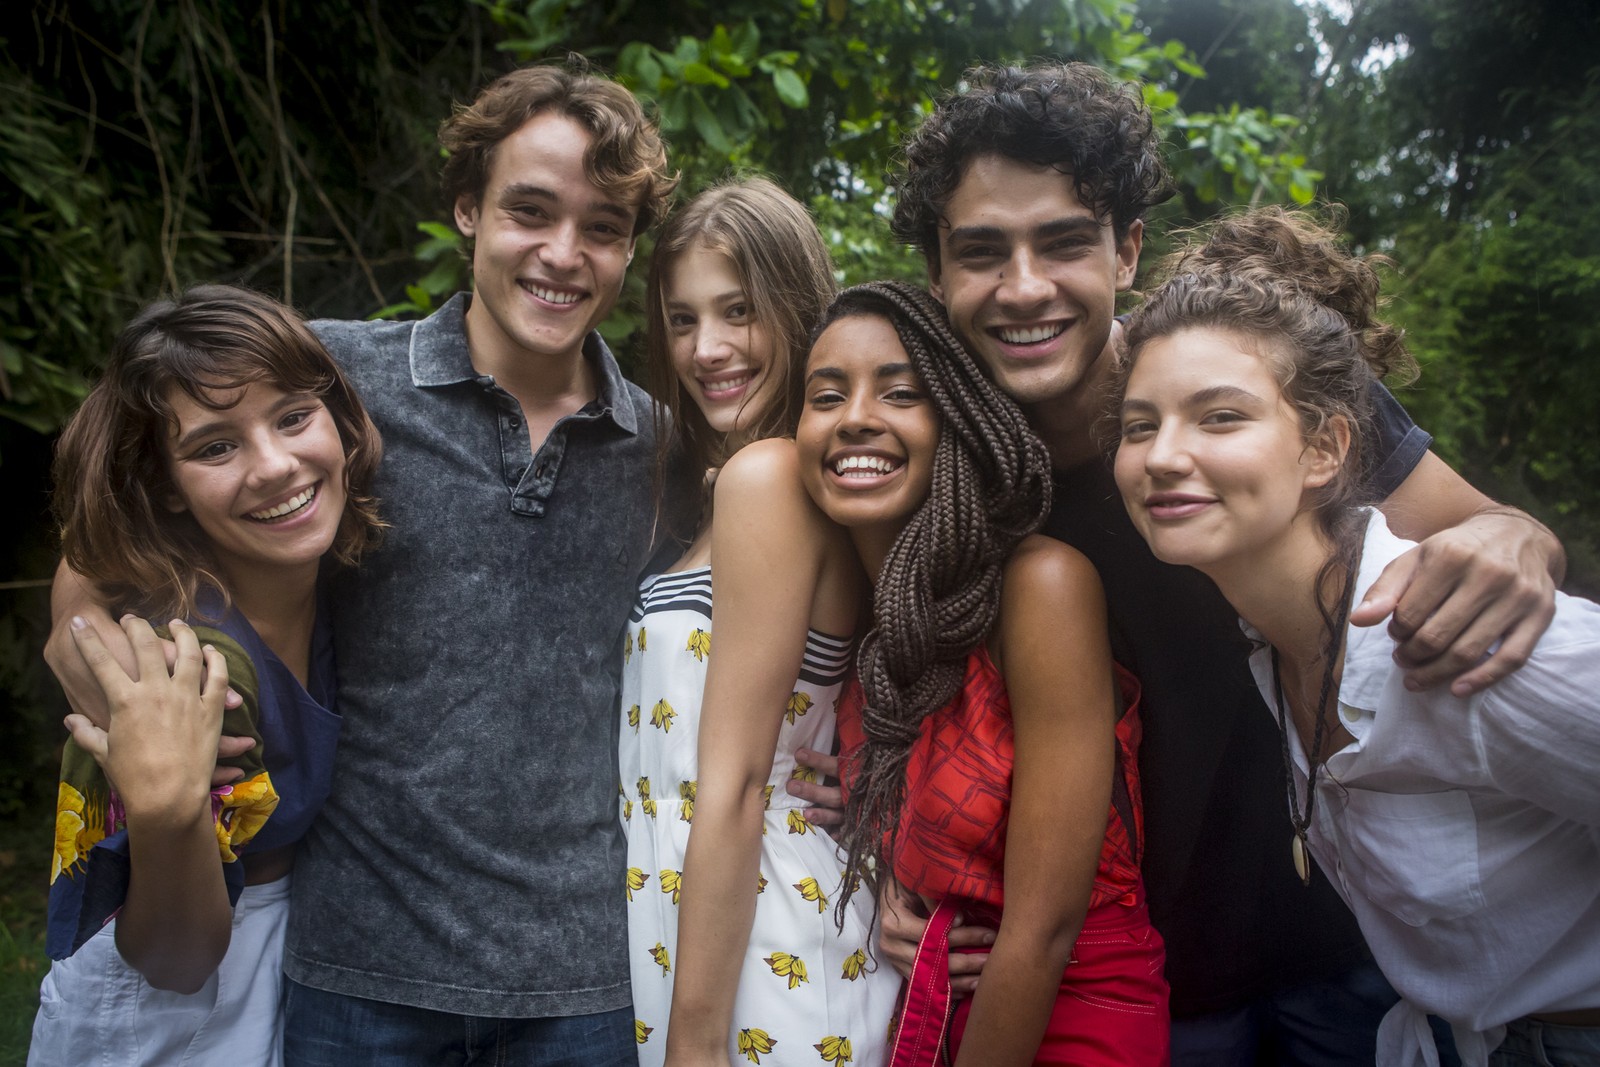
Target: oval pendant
1302, 862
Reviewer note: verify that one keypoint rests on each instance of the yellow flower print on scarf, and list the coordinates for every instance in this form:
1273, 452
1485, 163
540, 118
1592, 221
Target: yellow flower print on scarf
810, 890
834, 1050
786, 966
69, 826
853, 964
686, 792
661, 716
241, 809
699, 644
798, 705
636, 880
753, 1044
659, 955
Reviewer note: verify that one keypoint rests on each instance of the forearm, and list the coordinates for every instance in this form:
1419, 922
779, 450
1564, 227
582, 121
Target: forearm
175, 926
720, 870
72, 595
1016, 995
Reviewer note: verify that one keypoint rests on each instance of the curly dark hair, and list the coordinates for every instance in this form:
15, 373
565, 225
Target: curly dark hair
1071, 116
938, 593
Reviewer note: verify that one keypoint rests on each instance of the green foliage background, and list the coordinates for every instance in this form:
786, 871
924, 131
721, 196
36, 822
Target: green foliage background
289, 145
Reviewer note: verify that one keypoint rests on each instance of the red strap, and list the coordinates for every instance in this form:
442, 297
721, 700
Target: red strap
925, 1018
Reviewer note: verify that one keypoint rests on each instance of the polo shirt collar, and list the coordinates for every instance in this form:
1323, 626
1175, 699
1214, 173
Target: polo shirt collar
440, 356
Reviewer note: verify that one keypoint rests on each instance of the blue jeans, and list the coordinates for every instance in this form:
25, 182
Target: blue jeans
323, 1029
1329, 1023
1530, 1043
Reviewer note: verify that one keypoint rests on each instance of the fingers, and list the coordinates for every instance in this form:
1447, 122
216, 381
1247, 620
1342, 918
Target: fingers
185, 660
1380, 599
87, 735
230, 698
1467, 605
214, 683
149, 656
825, 765
826, 801
229, 746
1497, 643
221, 775
108, 674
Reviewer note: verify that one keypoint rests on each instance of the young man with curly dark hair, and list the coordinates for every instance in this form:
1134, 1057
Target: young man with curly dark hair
1026, 191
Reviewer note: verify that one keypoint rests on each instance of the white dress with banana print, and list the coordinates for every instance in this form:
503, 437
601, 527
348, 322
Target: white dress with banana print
807, 993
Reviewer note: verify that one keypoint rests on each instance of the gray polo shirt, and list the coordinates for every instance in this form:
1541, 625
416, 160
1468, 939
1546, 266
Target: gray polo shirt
469, 859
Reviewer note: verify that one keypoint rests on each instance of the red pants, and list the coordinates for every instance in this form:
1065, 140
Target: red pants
1111, 1009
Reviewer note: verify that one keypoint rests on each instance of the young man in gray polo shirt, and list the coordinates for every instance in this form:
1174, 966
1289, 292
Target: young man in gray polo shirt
460, 896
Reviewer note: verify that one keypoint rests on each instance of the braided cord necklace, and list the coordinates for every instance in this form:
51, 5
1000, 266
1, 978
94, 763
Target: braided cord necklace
1301, 821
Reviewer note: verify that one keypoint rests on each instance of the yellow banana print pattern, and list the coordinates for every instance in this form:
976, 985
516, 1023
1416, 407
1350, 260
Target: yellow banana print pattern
686, 792
853, 964
699, 644
761, 883
641, 1032
798, 823
633, 717
672, 884
834, 1050
810, 890
645, 803
641, 639
786, 966
627, 654
659, 954
803, 774
753, 1044
798, 705
636, 880
661, 716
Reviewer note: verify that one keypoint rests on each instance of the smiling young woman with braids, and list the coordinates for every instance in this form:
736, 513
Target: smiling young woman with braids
990, 742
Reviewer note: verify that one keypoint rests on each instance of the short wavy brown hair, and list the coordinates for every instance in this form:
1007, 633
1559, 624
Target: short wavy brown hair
627, 158
112, 474
1070, 116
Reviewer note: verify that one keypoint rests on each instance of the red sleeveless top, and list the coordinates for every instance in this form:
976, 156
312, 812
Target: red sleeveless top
952, 834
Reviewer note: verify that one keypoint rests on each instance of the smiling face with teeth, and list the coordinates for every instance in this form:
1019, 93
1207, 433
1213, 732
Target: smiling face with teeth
722, 354
867, 432
262, 473
550, 248
1029, 276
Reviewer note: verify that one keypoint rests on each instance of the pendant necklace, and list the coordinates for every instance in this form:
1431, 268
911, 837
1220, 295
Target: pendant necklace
1298, 820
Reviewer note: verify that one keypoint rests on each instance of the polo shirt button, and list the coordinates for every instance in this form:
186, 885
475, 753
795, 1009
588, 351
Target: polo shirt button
516, 423
1350, 713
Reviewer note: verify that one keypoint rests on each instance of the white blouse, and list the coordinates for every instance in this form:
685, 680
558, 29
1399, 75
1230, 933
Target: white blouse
1464, 833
